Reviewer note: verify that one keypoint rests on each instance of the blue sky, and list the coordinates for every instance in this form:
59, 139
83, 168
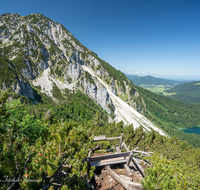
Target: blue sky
156, 37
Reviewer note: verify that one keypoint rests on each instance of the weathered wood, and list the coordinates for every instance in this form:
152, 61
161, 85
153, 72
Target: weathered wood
109, 162
103, 138
100, 137
128, 170
121, 140
138, 166
118, 149
127, 185
135, 150
127, 149
91, 150
147, 153
129, 159
110, 156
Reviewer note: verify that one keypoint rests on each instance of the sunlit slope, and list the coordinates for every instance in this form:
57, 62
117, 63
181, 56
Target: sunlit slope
188, 92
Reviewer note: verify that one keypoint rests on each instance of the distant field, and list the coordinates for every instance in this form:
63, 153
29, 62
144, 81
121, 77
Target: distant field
158, 89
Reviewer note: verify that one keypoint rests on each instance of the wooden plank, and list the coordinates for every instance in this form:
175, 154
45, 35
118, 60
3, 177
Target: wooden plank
98, 164
129, 159
100, 137
121, 140
110, 156
105, 139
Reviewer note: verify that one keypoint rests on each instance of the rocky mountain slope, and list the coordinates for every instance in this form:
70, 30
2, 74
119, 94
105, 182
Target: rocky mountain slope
39, 52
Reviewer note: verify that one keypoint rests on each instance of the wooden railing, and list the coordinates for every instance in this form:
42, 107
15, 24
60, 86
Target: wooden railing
117, 158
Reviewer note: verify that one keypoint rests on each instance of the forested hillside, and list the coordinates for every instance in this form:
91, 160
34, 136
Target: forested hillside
150, 80
172, 115
50, 153
188, 92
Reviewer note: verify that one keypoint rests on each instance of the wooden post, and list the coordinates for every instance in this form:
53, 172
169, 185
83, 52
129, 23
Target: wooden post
118, 149
127, 149
121, 140
129, 172
129, 159
138, 166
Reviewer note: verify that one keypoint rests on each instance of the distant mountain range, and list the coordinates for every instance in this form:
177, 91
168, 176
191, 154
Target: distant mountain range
188, 92
150, 80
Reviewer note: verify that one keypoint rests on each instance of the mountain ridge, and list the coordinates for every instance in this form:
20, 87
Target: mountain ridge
49, 57
149, 80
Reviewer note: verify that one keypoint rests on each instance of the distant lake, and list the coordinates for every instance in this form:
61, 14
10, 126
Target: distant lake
195, 130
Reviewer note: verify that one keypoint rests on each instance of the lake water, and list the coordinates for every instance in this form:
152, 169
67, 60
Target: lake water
192, 130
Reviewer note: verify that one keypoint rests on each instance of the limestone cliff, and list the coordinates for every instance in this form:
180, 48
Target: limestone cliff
46, 54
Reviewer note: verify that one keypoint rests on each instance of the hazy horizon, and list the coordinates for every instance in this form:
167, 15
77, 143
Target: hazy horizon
171, 77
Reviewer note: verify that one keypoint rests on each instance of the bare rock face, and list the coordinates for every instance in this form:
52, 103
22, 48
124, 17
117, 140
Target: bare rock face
74, 71
45, 44
45, 54
100, 94
25, 90
40, 48
103, 98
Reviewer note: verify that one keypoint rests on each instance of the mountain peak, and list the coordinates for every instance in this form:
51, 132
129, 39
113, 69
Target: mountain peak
47, 56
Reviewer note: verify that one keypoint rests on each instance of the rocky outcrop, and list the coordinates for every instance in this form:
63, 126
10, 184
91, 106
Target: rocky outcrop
51, 55
23, 88
74, 71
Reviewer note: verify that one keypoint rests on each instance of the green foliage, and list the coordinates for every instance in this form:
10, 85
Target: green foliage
7, 72
162, 176
168, 174
40, 155
34, 20
89, 78
175, 164
58, 71
75, 106
57, 93
6, 50
78, 107
3, 27
116, 74
171, 115
41, 57
43, 160
19, 61
188, 92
